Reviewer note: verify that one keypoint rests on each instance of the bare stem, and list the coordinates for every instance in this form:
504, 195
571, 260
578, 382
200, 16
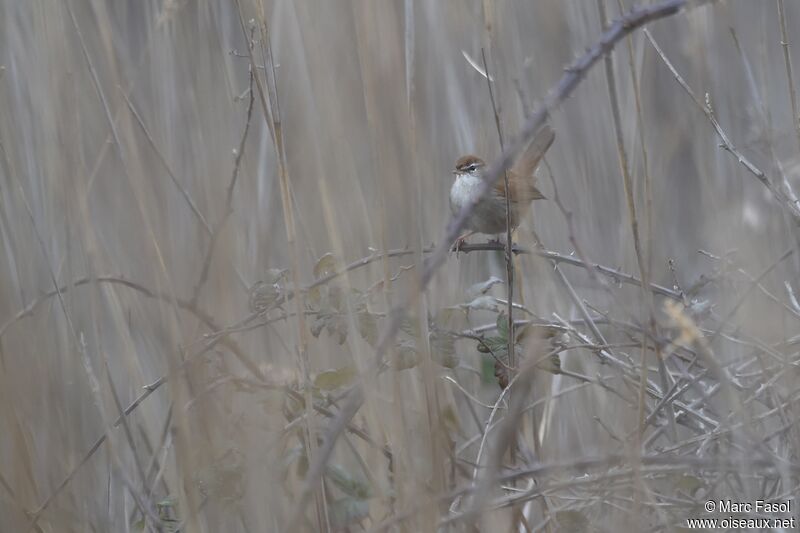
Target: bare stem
787, 60
509, 257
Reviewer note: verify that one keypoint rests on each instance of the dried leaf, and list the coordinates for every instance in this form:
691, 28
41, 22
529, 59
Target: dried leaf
326, 265
262, 296
501, 374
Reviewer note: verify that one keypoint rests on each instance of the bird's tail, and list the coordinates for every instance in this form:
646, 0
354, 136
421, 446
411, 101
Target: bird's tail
533, 153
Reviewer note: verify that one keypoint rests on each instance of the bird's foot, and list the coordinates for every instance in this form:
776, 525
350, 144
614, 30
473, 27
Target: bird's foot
460, 242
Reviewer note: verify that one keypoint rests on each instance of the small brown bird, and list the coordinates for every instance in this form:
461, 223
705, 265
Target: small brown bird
489, 216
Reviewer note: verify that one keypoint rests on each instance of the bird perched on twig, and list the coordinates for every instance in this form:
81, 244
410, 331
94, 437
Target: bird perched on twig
489, 216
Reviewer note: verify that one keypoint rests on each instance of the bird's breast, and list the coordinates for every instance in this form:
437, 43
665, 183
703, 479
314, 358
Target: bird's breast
464, 189
489, 215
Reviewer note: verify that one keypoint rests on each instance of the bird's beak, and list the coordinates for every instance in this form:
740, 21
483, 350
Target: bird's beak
454, 171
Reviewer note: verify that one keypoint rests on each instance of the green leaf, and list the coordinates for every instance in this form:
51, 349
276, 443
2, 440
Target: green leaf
293, 454
334, 323
405, 357
502, 326
688, 484
337, 327
337, 297
573, 521
443, 348
347, 511
451, 421
316, 296
317, 326
333, 379
550, 364
368, 327
351, 485
445, 317
497, 346
409, 327
487, 370
166, 503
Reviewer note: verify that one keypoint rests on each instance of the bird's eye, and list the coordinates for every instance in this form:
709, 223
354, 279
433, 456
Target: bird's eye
472, 167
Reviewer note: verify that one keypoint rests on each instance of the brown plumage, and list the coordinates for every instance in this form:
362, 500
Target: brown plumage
489, 216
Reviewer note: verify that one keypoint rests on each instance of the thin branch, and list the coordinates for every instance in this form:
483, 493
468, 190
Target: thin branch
614, 274
192, 207
787, 60
509, 243
113, 280
753, 284
783, 199
228, 199
569, 219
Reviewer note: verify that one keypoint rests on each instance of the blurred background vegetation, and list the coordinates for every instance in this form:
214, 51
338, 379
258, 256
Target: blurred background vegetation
158, 158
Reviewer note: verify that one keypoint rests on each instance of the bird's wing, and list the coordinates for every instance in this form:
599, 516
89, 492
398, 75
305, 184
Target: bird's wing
523, 188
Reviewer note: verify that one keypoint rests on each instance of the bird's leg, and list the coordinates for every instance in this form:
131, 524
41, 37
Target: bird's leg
461, 240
